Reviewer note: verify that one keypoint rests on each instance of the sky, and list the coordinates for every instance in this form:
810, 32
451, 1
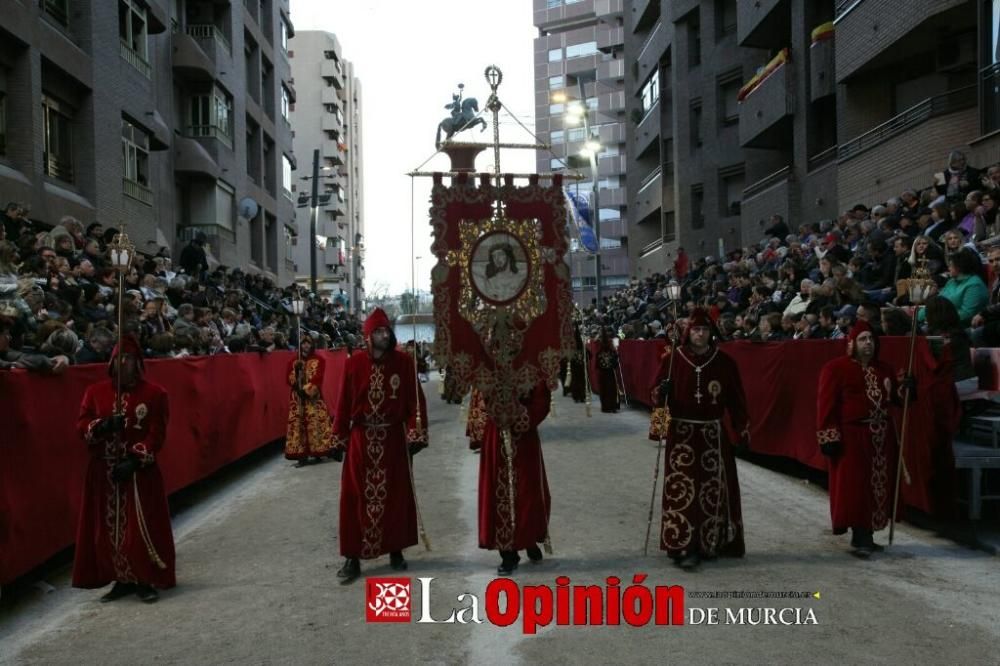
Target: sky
410, 56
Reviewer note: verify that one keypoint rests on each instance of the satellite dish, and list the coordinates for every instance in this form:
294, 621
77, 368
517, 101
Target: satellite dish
248, 208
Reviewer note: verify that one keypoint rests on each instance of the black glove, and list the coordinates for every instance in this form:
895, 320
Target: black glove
415, 448
337, 454
831, 449
908, 382
302, 394
664, 390
124, 470
110, 425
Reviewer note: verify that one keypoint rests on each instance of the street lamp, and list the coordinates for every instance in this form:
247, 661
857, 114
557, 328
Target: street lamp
122, 253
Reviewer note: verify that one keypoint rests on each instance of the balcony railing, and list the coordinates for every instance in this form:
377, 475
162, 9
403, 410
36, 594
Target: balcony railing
58, 168
932, 107
779, 176
649, 179
209, 31
136, 60
137, 191
57, 9
821, 158
650, 248
649, 40
844, 7
212, 132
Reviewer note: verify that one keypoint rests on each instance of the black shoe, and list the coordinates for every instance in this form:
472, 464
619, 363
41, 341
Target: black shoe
350, 571
302, 463
118, 591
508, 562
690, 562
396, 561
534, 554
862, 552
147, 594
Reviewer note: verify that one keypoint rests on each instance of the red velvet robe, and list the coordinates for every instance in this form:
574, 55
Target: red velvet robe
124, 529
607, 367
577, 375
853, 408
476, 424
701, 497
526, 474
309, 432
375, 421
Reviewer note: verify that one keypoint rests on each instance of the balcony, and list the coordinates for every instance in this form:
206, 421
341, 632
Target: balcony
610, 39
612, 198
647, 132
764, 24
331, 151
611, 103
610, 71
213, 43
191, 157
652, 50
822, 70
649, 197
644, 14
137, 191
932, 107
331, 96
190, 62
611, 134
608, 9
333, 71
768, 196
612, 165
762, 111
330, 122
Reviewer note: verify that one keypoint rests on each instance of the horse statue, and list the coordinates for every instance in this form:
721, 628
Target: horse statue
463, 116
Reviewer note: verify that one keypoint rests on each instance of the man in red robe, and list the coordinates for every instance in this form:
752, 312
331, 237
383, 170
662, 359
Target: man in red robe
377, 426
577, 375
607, 366
514, 498
854, 429
123, 535
701, 517
309, 432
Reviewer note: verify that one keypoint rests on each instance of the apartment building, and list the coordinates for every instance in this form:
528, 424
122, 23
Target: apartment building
583, 42
327, 118
178, 126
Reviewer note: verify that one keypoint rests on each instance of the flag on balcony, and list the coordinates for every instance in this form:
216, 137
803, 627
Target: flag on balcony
320, 242
578, 209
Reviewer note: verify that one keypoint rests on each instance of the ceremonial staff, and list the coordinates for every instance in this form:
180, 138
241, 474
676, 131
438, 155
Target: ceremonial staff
615, 342
416, 375
919, 290
122, 253
298, 309
674, 291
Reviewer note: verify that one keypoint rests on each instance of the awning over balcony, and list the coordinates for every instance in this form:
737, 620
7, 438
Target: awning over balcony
192, 158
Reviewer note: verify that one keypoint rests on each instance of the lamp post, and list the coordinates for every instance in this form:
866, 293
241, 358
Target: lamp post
578, 112
298, 309
313, 202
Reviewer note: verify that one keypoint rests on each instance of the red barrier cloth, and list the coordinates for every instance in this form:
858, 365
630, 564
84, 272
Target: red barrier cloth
779, 379
221, 408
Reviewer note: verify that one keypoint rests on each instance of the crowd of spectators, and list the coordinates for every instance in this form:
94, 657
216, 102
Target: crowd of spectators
816, 280
59, 294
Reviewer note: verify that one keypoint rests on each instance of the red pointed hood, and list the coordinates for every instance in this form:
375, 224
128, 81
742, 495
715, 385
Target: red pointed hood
377, 319
128, 345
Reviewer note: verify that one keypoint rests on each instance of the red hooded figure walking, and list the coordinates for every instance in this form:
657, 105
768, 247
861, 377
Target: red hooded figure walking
855, 431
702, 517
377, 427
309, 432
123, 535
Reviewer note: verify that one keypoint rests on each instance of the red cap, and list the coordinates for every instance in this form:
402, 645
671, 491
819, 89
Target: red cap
699, 317
860, 326
377, 319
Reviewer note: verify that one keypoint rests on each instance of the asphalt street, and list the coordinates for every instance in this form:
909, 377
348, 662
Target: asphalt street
257, 557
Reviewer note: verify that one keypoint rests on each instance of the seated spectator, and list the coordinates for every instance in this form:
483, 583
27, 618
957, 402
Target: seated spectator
97, 347
895, 321
846, 316
965, 289
943, 320
958, 179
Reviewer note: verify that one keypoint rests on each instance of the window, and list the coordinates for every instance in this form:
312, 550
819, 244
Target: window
557, 82
989, 75
135, 161
556, 164
556, 136
555, 55
286, 103
694, 40
132, 31
697, 207
224, 205
592, 103
669, 227
650, 91
58, 10
581, 50
732, 180
212, 116
286, 177
576, 134
725, 18
556, 109
610, 215
58, 128
729, 107
610, 243
696, 129
284, 35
